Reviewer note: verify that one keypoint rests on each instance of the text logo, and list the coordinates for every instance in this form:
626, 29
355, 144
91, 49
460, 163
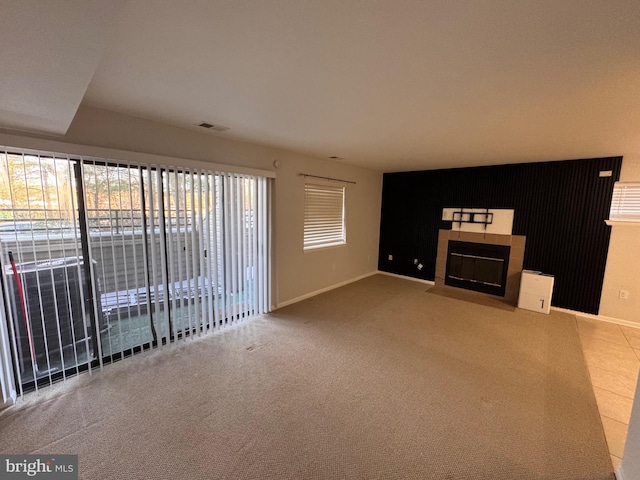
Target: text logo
52, 467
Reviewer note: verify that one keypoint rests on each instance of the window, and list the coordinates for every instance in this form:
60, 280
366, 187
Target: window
625, 203
323, 216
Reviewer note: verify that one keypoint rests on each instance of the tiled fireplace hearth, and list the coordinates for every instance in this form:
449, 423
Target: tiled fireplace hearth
515, 258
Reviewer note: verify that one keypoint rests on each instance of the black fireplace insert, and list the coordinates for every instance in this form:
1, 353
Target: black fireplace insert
478, 266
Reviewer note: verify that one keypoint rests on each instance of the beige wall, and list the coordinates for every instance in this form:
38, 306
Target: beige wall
296, 273
623, 261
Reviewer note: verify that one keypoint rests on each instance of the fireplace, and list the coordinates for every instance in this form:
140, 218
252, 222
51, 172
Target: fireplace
514, 261
477, 266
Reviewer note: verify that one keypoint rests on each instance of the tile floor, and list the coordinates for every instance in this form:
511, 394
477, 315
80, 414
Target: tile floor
612, 353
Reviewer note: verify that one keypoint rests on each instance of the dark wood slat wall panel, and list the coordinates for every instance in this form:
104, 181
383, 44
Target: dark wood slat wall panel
560, 207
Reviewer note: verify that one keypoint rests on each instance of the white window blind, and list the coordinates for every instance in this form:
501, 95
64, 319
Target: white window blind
101, 261
324, 224
625, 202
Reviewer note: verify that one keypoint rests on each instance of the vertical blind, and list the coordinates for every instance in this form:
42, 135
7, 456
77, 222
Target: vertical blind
324, 224
625, 202
103, 260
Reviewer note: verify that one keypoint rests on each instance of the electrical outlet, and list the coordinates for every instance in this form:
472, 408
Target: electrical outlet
623, 294
390, 257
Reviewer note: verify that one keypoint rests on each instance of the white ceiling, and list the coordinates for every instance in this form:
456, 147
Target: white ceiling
389, 84
49, 52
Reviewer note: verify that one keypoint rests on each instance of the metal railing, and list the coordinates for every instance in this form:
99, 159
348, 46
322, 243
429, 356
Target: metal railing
39, 220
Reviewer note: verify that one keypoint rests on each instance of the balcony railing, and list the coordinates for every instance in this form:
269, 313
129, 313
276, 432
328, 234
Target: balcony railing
23, 221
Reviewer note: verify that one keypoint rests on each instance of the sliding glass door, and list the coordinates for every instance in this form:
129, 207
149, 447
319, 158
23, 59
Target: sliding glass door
103, 260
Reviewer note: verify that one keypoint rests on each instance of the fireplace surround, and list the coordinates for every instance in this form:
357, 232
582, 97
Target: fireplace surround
484, 243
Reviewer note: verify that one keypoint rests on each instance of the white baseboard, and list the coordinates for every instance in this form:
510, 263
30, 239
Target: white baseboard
405, 277
602, 318
618, 473
323, 290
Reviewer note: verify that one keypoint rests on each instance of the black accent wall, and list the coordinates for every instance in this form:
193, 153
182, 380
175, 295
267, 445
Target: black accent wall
559, 206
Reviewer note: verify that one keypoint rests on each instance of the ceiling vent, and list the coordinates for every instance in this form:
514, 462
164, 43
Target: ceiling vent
215, 128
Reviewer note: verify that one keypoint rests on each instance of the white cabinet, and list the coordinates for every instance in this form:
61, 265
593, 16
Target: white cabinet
535, 291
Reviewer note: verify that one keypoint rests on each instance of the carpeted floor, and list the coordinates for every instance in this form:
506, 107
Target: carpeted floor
374, 380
